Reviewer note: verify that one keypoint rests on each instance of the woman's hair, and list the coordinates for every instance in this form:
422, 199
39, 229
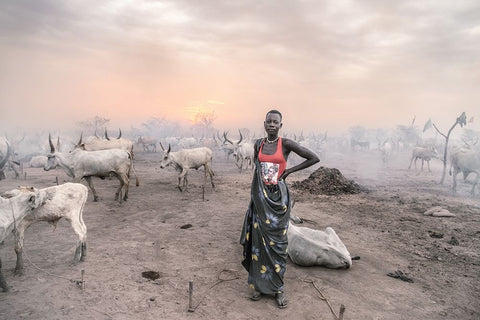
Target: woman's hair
275, 111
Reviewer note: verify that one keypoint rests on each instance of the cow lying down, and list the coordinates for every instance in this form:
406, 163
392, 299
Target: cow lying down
309, 247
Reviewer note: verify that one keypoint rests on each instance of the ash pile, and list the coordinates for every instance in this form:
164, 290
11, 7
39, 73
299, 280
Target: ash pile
328, 181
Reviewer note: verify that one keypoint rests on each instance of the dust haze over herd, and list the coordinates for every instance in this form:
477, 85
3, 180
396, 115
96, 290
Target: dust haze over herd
326, 65
336, 69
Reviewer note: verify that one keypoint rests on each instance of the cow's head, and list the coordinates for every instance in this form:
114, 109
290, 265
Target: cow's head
166, 157
23, 199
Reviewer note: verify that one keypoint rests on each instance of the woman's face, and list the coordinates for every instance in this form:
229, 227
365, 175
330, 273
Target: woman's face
273, 123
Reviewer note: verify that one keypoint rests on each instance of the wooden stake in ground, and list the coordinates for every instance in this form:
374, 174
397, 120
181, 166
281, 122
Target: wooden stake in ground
83, 280
190, 296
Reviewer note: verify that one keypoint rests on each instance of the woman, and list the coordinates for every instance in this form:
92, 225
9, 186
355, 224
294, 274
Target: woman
264, 233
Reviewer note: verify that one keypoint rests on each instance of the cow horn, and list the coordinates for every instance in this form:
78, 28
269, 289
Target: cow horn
119, 133
106, 135
4, 161
161, 146
168, 151
80, 141
58, 143
52, 148
225, 138
241, 137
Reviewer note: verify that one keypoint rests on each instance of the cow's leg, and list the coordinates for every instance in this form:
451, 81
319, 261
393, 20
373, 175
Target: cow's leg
211, 174
118, 193
126, 183
3, 282
90, 184
80, 230
182, 180
20, 235
454, 187
475, 184
411, 160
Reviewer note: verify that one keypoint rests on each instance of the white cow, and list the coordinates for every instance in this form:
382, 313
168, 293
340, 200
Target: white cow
426, 154
309, 247
149, 144
80, 164
242, 152
186, 159
386, 150
465, 161
12, 211
63, 201
38, 162
105, 144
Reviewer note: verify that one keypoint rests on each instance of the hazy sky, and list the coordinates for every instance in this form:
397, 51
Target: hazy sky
327, 65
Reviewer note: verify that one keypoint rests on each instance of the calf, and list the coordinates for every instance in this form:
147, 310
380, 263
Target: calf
423, 153
63, 201
13, 210
186, 159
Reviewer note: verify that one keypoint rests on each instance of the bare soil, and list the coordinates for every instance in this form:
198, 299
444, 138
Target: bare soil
143, 253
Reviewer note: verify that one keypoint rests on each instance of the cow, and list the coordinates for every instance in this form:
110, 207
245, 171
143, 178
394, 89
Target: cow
386, 150
106, 144
186, 159
63, 201
12, 211
38, 162
80, 164
309, 247
149, 144
241, 151
465, 161
244, 152
426, 154
5, 153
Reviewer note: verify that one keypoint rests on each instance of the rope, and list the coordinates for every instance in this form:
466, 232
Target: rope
325, 298
220, 280
77, 282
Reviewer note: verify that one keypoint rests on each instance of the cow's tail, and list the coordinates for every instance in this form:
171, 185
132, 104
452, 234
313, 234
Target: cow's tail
132, 168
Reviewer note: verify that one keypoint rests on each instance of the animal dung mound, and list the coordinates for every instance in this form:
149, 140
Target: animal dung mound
329, 181
152, 275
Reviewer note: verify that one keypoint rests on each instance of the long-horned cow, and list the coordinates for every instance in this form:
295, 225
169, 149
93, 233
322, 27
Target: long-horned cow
12, 211
309, 247
80, 164
106, 144
63, 201
242, 152
186, 159
426, 154
465, 161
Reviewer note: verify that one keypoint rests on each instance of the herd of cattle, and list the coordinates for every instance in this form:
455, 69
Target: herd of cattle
104, 157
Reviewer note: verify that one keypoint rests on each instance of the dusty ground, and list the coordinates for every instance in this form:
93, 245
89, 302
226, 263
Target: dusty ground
385, 227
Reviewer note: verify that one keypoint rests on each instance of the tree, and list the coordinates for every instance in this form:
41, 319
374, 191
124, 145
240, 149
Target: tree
94, 124
462, 121
203, 120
